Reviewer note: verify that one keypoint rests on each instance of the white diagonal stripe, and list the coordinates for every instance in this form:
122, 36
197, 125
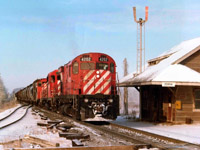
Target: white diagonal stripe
108, 90
88, 75
88, 84
104, 85
91, 90
102, 78
101, 71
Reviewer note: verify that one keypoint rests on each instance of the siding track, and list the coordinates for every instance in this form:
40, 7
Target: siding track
10, 122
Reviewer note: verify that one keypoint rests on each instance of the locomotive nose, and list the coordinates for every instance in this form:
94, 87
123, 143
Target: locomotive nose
98, 81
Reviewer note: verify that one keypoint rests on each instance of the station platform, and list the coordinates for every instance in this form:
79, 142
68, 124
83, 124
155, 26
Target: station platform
185, 132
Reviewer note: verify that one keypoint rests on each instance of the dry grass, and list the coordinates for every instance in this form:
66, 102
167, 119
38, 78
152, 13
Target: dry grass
7, 105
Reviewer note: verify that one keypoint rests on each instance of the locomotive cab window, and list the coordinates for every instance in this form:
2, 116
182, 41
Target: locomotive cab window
58, 77
102, 66
87, 66
75, 68
112, 67
197, 99
39, 84
69, 71
52, 79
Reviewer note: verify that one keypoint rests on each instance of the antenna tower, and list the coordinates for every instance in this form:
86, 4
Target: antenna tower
140, 39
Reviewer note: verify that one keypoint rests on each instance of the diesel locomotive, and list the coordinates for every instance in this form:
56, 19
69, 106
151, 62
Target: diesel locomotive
84, 88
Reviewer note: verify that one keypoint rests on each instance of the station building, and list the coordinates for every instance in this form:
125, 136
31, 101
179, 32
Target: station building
170, 85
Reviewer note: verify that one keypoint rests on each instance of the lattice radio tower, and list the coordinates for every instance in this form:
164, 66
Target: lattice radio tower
140, 40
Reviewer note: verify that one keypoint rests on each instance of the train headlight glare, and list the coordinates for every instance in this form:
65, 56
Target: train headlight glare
110, 100
98, 76
97, 72
86, 100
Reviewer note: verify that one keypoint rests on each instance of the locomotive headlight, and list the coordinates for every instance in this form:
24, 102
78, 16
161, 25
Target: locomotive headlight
110, 100
97, 72
86, 100
98, 76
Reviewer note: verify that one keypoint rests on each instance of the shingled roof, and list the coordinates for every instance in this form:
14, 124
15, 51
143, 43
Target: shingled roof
167, 68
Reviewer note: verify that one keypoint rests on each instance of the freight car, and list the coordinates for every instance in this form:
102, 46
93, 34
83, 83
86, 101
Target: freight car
84, 88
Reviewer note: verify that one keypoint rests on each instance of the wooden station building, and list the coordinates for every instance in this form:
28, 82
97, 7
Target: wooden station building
170, 85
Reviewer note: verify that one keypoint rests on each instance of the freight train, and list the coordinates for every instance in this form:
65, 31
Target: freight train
84, 88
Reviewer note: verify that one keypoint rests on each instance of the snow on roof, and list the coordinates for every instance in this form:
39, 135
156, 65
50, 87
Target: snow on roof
178, 73
166, 69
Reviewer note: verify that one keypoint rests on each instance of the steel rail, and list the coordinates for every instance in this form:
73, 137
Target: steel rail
146, 133
115, 134
17, 119
12, 112
104, 130
140, 137
179, 143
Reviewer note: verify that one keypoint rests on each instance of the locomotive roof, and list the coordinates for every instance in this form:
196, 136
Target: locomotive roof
94, 53
167, 68
89, 54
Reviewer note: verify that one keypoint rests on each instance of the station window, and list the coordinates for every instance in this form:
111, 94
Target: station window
75, 68
112, 67
102, 66
197, 99
87, 66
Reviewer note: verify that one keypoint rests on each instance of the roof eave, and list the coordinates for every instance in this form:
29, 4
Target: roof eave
186, 55
134, 84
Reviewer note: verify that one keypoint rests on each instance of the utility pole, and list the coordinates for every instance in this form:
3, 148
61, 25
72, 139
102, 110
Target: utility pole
140, 37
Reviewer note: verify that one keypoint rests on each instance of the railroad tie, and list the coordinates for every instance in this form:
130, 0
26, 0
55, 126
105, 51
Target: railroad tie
42, 124
54, 121
65, 125
62, 129
73, 135
76, 142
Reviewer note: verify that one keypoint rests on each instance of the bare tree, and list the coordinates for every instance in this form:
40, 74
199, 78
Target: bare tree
3, 91
125, 88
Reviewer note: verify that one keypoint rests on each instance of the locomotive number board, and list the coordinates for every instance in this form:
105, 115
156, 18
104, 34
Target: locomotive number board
103, 58
86, 58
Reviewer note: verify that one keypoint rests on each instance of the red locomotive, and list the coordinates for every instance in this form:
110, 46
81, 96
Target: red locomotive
83, 88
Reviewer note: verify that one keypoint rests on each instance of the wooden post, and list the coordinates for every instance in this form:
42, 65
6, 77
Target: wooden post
125, 88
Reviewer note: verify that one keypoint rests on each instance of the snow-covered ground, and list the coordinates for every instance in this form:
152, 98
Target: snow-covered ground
18, 114
189, 133
28, 127
8, 111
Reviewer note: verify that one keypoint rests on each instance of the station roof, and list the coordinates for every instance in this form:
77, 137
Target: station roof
166, 68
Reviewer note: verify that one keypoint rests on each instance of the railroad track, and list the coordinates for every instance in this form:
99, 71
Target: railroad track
154, 140
6, 121
137, 137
